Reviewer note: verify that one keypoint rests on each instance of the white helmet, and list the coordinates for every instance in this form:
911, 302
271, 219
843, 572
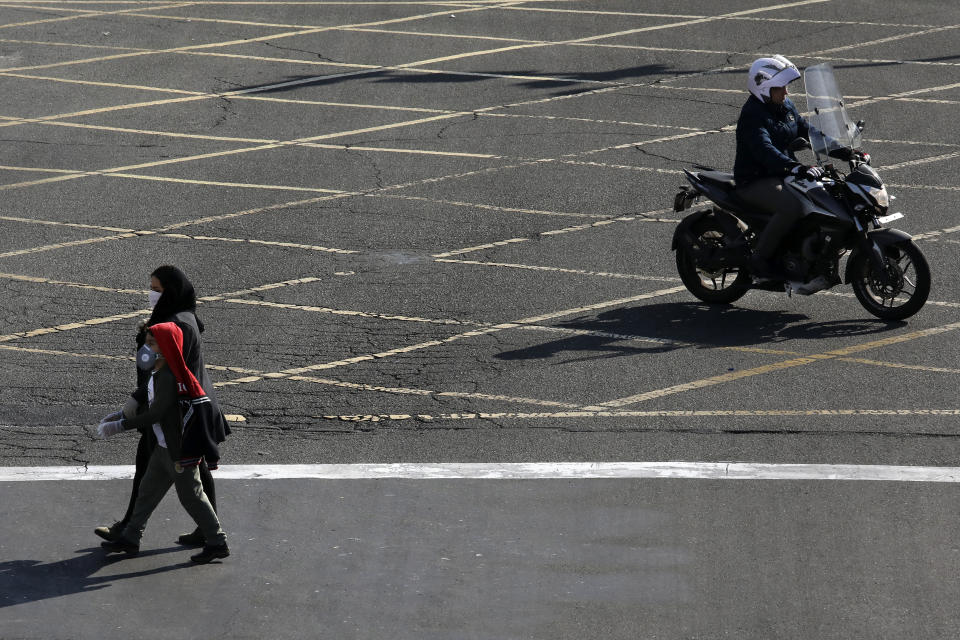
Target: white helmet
770, 72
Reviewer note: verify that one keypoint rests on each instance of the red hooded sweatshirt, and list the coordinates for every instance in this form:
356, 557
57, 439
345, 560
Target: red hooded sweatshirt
198, 440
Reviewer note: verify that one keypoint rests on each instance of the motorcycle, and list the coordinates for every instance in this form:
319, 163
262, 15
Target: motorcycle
887, 270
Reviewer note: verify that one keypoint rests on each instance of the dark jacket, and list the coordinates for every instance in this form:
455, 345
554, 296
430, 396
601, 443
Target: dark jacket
165, 410
764, 133
193, 357
187, 419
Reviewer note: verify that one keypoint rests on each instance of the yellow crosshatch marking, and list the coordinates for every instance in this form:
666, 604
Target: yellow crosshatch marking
446, 255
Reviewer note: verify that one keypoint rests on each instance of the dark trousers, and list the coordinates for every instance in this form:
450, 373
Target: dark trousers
163, 473
148, 442
770, 196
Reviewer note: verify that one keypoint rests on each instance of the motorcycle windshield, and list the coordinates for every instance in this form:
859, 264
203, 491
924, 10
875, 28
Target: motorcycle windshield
830, 126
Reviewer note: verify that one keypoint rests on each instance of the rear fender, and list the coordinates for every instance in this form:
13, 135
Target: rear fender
880, 238
730, 223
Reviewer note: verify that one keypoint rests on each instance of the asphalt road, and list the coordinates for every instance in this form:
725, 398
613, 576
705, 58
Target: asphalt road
440, 232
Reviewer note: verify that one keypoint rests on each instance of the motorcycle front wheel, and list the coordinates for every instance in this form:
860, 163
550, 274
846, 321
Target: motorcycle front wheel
904, 290
717, 286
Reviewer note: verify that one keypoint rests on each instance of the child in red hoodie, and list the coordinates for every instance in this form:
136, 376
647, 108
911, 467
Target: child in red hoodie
173, 395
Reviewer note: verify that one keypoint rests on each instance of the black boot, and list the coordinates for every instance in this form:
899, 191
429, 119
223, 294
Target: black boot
193, 539
763, 269
210, 553
121, 545
112, 532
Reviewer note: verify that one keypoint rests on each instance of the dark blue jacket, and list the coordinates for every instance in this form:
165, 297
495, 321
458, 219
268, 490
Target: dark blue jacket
764, 132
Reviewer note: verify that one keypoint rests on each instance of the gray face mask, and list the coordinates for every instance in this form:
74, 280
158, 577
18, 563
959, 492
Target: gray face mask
146, 358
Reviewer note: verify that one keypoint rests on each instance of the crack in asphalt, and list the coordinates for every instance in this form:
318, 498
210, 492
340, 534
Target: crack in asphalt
313, 53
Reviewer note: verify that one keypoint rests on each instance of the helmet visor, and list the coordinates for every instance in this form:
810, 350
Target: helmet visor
783, 77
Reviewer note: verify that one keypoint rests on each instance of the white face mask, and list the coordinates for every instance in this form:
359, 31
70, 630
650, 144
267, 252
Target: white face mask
155, 298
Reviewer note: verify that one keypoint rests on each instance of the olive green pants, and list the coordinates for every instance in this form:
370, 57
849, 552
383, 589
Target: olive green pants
161, 474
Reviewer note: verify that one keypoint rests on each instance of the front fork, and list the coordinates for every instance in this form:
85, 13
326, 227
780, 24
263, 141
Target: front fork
872, 249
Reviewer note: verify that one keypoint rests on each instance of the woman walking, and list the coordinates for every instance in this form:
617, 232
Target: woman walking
173, 299
182, 443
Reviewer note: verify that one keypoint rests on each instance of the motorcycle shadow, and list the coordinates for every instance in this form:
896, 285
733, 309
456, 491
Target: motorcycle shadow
660, 328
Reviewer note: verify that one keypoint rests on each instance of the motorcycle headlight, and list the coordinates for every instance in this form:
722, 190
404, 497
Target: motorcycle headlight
880, 196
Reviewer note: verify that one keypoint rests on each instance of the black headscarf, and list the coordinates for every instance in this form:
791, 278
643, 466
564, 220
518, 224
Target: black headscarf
178, 295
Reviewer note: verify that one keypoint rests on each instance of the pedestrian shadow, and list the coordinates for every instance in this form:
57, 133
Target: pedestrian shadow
660, 328
23, 581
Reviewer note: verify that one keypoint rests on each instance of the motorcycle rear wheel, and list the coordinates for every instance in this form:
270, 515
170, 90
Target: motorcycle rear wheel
907, 287
719, 286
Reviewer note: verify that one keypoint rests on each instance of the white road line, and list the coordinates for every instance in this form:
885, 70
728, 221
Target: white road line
520, 471
911, 163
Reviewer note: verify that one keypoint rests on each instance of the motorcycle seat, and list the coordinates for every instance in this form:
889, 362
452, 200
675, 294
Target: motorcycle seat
719, 178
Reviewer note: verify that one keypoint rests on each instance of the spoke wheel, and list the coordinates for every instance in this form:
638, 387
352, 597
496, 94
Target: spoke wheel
902, 292
720, 286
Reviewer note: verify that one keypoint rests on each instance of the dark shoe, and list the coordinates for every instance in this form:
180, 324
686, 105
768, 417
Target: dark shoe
194, 539
112, 532
211, 553
121, 545
763, 269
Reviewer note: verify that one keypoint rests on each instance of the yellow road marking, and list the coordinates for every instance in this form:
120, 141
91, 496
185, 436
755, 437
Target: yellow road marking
76, 45
74, 225
163, 234
532, 267
925, 187
64, 245
900, 36
149, 132
254, 211
896, 365
911, 163
215, 183
263, 287
486, 207
935, 234
57, 352
73, 325
220, 154
428, 392
85, 14
359, 314
777, 366
397, 20
629, 167
286, 373
315, 380
63, 283
643, 217
70, 326
211, 45
644, 414
268, 243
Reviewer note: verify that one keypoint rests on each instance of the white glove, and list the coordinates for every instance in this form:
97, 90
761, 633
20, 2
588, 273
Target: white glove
808, 173
116, 415
109, 428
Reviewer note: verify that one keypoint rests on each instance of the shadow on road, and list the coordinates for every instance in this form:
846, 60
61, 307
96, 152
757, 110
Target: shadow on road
537, 79
23, 581
684, 325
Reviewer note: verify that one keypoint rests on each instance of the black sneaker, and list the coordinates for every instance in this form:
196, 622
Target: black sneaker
121, 545
194, 539
210, 553
112, 532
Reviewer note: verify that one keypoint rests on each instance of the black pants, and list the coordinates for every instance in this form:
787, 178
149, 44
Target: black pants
148, 442
770, 196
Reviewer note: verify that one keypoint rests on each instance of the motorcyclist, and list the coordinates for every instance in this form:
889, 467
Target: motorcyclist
768, 123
